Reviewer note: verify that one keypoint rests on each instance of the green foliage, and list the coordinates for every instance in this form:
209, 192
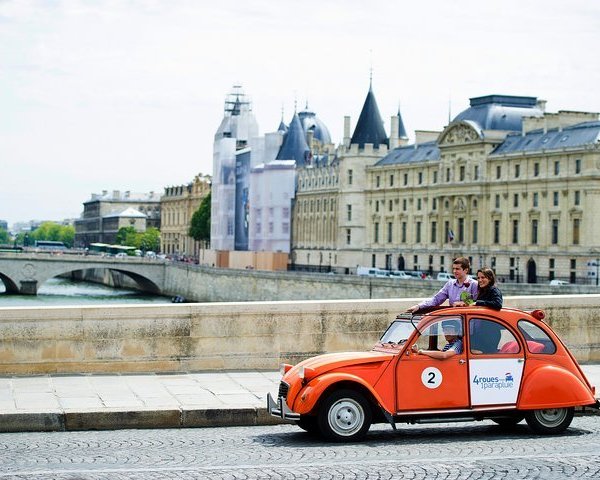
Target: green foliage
3, 236
20, 239
200, 225
467, 298
148, 240
51, 231
124, 234
47, 231
67, 235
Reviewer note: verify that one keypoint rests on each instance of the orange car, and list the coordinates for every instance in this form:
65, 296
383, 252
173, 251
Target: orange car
505, 365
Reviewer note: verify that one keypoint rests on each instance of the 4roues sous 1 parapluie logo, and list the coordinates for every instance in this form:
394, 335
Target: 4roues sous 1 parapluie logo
486, 383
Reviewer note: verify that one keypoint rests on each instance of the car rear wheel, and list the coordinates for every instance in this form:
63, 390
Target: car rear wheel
309, 424
550, 420
344, 416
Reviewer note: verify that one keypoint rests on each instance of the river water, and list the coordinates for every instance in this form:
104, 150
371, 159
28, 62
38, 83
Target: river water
61, 291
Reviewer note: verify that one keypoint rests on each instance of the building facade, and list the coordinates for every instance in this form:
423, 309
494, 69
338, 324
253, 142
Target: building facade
505, 183
254, 181
177, 205
105, 213
329, 217
233, 135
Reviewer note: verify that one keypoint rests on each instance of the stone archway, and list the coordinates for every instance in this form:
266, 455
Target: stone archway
531, 271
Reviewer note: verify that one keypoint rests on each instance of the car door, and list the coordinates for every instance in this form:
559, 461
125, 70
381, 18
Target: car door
496, 361
424, 383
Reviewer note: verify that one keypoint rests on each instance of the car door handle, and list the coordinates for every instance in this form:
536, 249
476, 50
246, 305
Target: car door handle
461, 361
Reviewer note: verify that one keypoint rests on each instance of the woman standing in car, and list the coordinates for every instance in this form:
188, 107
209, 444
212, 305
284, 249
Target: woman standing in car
489, 294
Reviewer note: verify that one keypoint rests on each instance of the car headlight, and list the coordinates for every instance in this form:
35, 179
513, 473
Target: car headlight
284, 368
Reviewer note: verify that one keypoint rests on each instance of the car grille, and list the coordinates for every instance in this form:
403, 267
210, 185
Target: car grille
283, 390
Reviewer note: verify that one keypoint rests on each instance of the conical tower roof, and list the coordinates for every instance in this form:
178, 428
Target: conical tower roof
369, 128
294, 145
401, 130
282, 127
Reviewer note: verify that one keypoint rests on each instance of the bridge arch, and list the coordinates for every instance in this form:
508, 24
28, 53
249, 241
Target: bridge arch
144, 283
24, 273
9, 284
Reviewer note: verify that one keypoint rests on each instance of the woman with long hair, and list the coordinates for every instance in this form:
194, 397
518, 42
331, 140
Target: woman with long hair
489, 294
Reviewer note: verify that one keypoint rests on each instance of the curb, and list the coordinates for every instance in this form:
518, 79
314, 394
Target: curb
125, 419
150, 419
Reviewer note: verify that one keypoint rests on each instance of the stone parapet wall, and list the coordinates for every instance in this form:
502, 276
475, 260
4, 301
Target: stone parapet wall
231, 336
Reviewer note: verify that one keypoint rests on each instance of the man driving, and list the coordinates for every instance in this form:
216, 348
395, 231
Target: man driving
454, 345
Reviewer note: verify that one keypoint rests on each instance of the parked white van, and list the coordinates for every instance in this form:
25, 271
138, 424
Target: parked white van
445, 276
372, 272
401, 274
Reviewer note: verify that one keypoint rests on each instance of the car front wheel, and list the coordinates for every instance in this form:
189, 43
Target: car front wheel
345, 415
550, 420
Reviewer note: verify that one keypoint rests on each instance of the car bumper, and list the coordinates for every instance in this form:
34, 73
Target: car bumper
280, 409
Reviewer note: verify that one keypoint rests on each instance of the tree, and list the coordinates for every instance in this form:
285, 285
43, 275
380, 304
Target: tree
67, 235
3, 236
47, 231
124, 233
150, 239
55, 232
200, 225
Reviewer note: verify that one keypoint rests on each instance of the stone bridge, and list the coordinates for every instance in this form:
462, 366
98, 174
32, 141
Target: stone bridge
23, 273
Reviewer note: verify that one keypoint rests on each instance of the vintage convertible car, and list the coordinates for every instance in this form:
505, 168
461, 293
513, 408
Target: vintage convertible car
512, 367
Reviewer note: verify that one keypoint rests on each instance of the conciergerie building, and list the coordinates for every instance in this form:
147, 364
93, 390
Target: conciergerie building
505, 183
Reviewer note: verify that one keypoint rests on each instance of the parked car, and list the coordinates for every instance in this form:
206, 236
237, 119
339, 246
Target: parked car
372, 272
445, 276
418, 274
559, 282
400, 274
121, 255
513, 367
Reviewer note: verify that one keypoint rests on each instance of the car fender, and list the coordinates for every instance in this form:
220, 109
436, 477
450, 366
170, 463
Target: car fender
309, 396
551, 386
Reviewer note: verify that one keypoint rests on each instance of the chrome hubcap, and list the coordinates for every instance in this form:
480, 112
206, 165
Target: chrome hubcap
551, 417
346, 417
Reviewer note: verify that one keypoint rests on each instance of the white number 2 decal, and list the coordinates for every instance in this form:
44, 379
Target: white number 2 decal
431, 377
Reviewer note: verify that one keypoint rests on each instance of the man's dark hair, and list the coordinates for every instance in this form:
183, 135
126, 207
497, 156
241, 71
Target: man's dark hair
463, 262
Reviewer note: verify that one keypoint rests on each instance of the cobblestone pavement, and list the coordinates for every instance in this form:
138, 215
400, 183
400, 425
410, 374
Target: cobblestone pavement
479, 450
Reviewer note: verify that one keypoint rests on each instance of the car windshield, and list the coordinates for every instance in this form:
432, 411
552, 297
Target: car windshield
398, 332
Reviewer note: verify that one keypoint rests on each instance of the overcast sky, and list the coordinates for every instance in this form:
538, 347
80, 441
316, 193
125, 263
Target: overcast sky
126, 95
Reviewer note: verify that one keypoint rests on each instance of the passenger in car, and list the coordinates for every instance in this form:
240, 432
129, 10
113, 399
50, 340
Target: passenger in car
460, 291
489, 294
485, 336
452, 332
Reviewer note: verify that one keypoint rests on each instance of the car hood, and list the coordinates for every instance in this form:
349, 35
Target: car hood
330, 361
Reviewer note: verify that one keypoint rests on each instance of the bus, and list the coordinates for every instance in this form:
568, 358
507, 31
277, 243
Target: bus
10, 249
50, 245
111, 249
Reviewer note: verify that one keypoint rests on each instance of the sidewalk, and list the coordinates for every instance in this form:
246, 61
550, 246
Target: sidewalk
94, 402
